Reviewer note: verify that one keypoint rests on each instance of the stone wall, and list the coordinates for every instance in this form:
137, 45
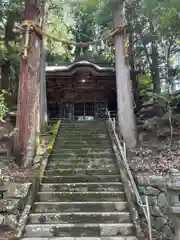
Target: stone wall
13, 203
155, 187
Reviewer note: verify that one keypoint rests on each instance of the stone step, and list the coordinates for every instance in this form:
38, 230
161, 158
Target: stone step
97, 159
82, 217
80, 171
83, 238
85, 165
79, 145
99, 129
83, 134
64, 140
63, 207
82, 143
88, 162
80, 196
81, 179
87, 138
78, 230
82, 187
82, 149
104, 153
81, 152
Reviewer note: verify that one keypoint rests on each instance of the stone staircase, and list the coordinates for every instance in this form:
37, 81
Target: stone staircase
81, 197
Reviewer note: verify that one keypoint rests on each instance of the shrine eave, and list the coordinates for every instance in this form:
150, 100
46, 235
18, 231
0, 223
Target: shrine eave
69, 68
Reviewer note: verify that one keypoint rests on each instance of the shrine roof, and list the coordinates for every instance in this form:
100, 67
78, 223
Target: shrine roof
69, 67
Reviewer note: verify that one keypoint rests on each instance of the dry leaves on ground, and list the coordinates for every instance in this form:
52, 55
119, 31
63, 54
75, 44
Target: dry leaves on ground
156, 156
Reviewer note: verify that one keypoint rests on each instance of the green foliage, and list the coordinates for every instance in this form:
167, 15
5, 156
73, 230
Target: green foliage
54, 128
53, 132
3, 106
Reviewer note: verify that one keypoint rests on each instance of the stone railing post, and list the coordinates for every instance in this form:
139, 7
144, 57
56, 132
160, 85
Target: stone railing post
174, 200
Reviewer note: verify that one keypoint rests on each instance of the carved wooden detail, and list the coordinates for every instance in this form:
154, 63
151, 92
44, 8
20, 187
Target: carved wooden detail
81, 86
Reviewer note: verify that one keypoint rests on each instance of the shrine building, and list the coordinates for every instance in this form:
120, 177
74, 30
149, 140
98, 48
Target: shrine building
81, 90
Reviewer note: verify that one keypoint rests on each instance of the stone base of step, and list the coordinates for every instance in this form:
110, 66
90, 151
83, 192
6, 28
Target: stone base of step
81, 154
101, 146
82, 149
80, 196
82, 187
81, 218
63, 207
80, 171
80, 160
78, 230
83, 165
93, 139
83, 238
81, 178
82, 142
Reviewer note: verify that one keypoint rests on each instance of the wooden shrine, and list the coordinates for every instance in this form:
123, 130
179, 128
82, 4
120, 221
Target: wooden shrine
80, 90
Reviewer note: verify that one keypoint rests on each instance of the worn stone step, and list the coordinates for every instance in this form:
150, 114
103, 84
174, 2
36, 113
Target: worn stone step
82, 217
99, 129
81, 179
78, 230
82, 187
80, 171
64, 140
82, 156
97, 160
76, 137
82, 143
82, 160
85, 165
81, 152
82, 149
79, 145
83, 134
80, 196
63, 207
83, 238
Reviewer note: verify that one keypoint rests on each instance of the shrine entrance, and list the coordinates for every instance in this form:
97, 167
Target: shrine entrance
84, 110
80, 91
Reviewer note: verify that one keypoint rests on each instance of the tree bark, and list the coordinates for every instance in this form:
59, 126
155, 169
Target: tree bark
43, 97
155, 70
9, 36
126, 116
131, 52
27, 122
155, 62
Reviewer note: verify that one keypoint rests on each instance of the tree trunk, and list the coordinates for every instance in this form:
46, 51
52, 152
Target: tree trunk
131, 51
28, 110
155, 62
43, 97
155, 70
5, 78
126, 116
6, 65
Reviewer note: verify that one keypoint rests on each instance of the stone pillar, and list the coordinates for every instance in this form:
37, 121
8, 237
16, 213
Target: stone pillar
174, 200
